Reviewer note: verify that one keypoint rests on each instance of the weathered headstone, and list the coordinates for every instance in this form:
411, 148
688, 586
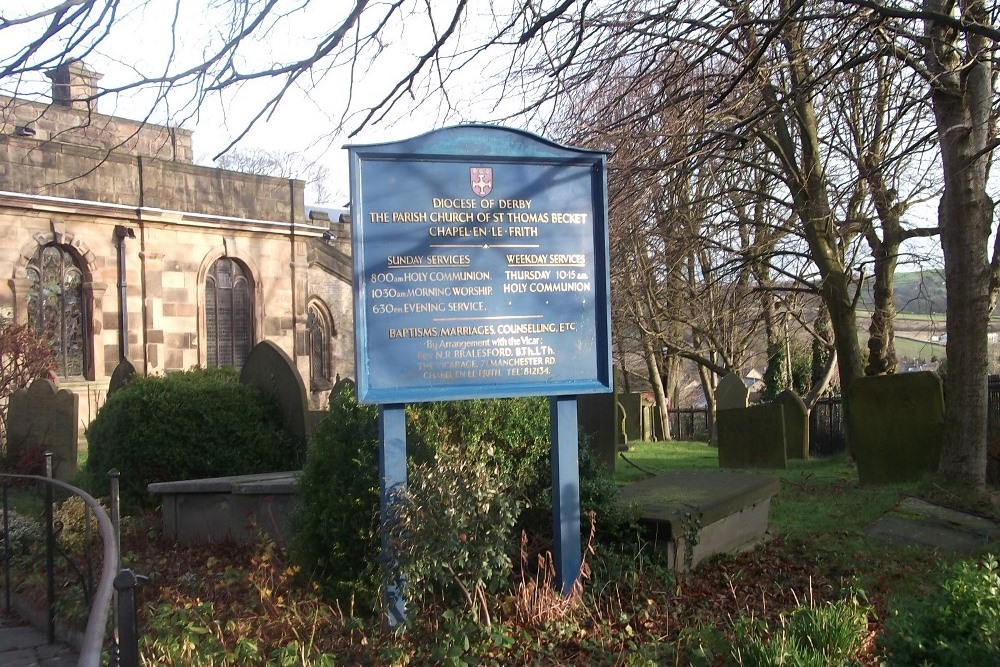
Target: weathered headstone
121, 376
796, 424
270, 369
342, 385
752, 437
898, 426
631, 403
650, 414
44, 417
596, 416
339, 387
732, 393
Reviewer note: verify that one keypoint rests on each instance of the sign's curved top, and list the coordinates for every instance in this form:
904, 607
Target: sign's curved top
480, 140
480, 267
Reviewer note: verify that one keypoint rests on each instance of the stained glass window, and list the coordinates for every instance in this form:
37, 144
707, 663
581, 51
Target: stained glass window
228, 314
56, 309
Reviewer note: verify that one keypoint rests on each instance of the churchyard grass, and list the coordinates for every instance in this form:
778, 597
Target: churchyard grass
818, 495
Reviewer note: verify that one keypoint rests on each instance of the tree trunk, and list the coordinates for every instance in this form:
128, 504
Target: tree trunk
881, 335
962, 96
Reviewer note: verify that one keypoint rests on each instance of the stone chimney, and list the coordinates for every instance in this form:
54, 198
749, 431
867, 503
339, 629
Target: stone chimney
74, 86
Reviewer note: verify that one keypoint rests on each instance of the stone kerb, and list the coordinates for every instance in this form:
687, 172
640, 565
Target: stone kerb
752, 437
897, 426
796, 424
270, 369
48, 418
732, 393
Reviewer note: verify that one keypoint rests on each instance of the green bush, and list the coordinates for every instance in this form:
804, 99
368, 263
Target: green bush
517, 430
189, 425
451, 529
958, 623
335, 531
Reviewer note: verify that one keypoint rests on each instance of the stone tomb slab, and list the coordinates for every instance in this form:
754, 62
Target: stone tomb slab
238, 508
728, 509
916, 522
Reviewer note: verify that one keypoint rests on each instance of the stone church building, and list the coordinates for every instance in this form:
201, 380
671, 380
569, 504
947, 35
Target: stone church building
115, 244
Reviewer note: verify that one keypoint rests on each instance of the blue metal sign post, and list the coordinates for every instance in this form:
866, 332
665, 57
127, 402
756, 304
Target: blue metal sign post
481, 271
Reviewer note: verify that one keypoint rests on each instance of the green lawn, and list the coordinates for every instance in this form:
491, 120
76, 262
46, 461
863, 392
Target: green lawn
819, 496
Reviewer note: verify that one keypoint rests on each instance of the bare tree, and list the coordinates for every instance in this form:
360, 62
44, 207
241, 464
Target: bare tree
284, 164
762, 71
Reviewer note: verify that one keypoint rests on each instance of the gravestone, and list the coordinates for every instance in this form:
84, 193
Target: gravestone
898, 426
796, 424
752, 437
121, 376
732, 393
631, 406
342, 385
270, 369
44, 417
339, 387
650, 411
596, 417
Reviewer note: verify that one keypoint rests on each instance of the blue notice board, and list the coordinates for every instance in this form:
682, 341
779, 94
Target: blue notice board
480, 267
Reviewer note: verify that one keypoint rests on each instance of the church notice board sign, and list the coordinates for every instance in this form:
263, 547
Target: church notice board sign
480, 267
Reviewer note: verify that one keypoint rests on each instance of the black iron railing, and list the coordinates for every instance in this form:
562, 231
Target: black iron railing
115, 586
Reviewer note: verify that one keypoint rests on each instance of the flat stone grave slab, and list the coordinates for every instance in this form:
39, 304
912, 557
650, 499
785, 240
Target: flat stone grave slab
235, 508
917, 522
729, 510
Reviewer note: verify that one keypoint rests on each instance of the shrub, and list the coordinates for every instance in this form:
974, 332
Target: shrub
335, 530
517, 431
451, 529
25, 535
185, 425
958, 623
335, 533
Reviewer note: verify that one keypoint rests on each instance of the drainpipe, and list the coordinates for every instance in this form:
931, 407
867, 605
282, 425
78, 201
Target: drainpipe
291, 227
122, 233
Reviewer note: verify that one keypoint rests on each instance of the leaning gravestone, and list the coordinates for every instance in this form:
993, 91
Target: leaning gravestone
752, 437
46, 418
897, 426
731, 393
270, 369
796, 424
122, 375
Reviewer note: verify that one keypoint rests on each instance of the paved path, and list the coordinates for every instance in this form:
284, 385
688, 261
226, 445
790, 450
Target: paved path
21, 645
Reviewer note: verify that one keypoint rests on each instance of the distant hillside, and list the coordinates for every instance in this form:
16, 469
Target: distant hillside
918, 292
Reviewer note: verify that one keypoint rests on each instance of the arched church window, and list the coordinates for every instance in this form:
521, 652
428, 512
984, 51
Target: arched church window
320, 334
228, 314
56, 310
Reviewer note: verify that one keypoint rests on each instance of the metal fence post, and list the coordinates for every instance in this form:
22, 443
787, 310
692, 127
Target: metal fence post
125, 618
50, 551
6, 547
